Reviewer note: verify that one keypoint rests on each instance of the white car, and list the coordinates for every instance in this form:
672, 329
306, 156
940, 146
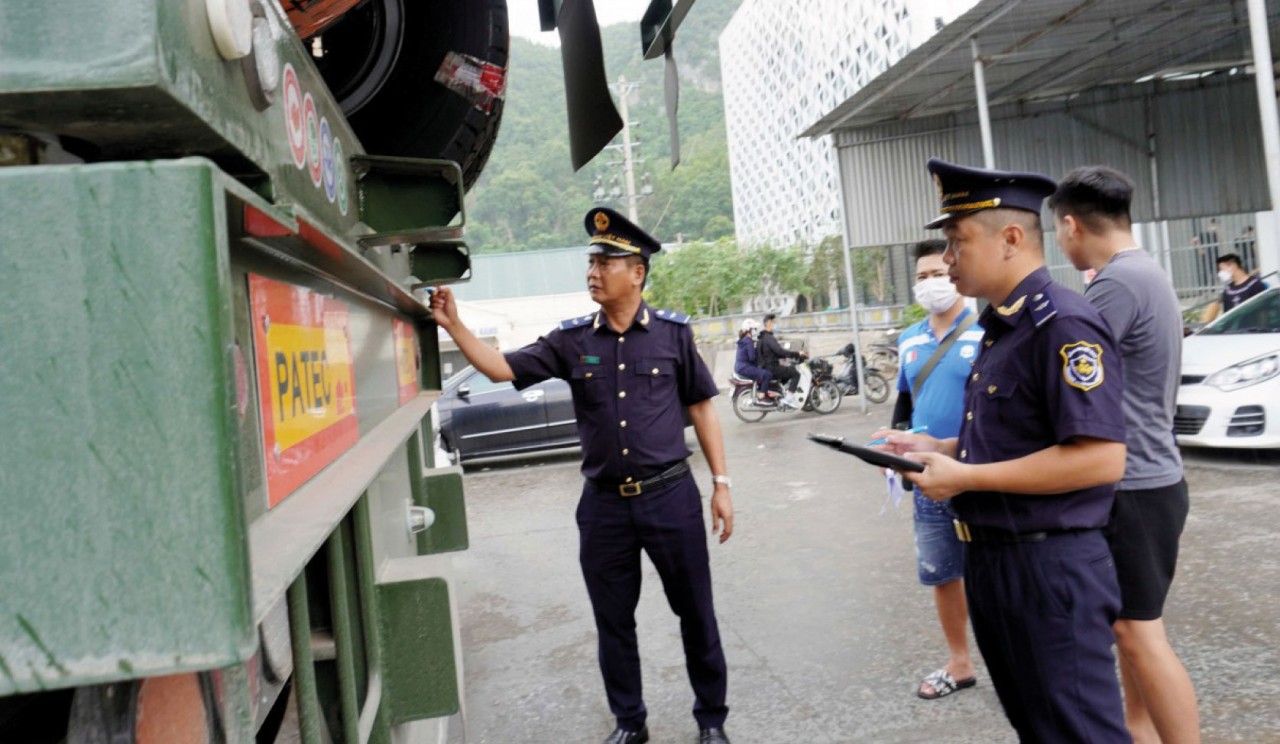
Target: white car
1230, 392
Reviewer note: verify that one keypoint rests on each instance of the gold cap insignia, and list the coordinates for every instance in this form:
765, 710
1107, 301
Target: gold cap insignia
602, 221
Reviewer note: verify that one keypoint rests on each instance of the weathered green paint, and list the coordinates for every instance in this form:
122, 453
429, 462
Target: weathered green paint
441, 262
124, 550
304, 672
441, 491
143, 79
407, 194
344, 637
419, 673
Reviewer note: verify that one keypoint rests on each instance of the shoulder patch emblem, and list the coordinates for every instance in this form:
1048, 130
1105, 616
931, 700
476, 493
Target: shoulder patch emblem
1082, 365
576, 322
1042, 310
672, 316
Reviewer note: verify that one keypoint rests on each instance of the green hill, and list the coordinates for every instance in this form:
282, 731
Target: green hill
529, 197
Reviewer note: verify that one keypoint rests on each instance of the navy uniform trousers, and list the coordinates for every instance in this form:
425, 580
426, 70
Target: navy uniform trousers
1042, 615
668, 524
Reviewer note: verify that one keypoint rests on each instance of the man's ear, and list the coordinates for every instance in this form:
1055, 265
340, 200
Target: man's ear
1013, 236
1072, 224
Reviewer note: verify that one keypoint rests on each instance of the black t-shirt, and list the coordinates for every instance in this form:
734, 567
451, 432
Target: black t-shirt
1235, 294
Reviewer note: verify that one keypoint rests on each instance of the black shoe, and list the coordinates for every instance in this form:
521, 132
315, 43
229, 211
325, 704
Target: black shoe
623, 736
712, 736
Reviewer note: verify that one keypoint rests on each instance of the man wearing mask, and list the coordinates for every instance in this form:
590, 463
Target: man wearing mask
937, 354
771, 352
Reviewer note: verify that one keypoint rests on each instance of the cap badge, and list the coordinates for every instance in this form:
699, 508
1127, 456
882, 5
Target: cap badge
602, 221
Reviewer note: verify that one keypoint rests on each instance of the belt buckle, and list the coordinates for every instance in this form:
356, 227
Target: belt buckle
630, 489
962, 531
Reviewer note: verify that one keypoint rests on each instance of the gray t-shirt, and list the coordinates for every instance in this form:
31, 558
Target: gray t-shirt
1137, 301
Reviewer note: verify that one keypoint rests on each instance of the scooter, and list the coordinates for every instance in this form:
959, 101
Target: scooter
815, 391
877, 385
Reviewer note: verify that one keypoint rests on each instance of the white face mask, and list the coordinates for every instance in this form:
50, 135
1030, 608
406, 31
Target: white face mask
1224, 276
936, 295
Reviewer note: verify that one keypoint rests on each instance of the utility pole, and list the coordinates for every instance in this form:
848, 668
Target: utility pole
626, 192
628, 166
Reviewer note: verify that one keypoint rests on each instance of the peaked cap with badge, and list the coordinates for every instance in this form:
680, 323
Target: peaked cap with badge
964, 190
615, 235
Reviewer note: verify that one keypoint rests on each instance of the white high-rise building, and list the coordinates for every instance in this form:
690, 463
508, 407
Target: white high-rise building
785, 64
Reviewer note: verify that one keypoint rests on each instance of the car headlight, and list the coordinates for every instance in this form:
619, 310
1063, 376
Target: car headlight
1244, 374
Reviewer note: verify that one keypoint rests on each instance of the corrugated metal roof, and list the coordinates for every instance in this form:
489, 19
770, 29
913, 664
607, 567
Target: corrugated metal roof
1193, 148
1045, 49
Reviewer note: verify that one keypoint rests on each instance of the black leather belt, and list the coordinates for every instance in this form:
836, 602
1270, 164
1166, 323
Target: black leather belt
635, 488
972, 533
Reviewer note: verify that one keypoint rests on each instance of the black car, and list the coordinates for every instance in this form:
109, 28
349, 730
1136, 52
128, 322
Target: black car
481, 418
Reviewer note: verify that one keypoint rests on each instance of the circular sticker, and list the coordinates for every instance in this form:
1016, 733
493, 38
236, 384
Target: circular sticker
340, 168
326, 159
313, 138
294, 120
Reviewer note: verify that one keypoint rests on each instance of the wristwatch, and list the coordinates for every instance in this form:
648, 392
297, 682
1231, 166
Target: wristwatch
717, 479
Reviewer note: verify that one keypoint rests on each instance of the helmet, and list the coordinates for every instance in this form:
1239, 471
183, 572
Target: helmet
750, 325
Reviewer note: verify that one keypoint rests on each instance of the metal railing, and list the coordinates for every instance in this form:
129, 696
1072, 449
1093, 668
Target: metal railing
869, 318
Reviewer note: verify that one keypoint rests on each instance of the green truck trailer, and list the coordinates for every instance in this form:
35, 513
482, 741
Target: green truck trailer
220, 519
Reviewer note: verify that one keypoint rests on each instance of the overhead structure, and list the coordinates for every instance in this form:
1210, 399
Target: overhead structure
593, 119
1162, 89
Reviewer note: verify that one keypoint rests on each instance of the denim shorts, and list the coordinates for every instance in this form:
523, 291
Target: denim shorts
939, 553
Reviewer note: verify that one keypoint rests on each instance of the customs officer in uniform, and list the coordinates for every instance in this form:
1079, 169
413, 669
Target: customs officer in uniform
633, 369
1032, 473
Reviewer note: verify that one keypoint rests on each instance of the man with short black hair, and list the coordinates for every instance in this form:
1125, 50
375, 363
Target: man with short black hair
633, 371
1031, 473
936, 355
1137, 300
1240, 285
771, 352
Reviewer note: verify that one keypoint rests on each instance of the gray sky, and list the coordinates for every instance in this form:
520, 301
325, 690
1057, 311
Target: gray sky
523, 15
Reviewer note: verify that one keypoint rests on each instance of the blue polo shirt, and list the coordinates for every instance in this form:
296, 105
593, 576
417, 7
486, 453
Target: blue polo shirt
940, 404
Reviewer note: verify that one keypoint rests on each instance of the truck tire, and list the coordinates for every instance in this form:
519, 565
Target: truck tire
380, 61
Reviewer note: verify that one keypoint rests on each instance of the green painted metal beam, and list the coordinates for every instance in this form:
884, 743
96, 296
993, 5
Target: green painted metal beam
118, 396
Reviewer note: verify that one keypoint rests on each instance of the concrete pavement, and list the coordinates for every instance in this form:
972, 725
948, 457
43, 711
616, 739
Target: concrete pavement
826, 630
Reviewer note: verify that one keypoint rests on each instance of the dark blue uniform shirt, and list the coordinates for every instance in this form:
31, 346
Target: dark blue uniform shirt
1048, 371
629, 390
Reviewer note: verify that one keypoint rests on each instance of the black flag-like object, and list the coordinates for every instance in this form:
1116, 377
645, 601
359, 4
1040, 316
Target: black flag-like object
593, 119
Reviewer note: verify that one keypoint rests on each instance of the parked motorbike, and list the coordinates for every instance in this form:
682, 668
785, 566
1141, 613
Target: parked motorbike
877, 385
816, 391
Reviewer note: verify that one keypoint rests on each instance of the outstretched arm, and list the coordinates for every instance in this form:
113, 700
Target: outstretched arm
491, 362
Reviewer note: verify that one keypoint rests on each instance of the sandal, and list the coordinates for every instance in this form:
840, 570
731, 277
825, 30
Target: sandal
943, 684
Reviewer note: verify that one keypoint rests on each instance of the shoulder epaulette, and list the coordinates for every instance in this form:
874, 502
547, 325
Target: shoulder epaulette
576, 322
1042, 308
672, 316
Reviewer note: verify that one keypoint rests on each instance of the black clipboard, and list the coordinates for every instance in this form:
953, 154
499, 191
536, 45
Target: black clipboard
867, 455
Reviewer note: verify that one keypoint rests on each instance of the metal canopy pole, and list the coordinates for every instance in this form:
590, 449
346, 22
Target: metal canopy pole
848, 277
984, 116
1264, 78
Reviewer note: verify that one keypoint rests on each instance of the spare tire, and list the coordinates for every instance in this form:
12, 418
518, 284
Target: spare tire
380, 62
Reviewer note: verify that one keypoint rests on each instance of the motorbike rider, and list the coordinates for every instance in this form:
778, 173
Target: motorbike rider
771, 352
745, 363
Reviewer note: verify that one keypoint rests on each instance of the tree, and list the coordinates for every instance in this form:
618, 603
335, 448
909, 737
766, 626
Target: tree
701, 278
